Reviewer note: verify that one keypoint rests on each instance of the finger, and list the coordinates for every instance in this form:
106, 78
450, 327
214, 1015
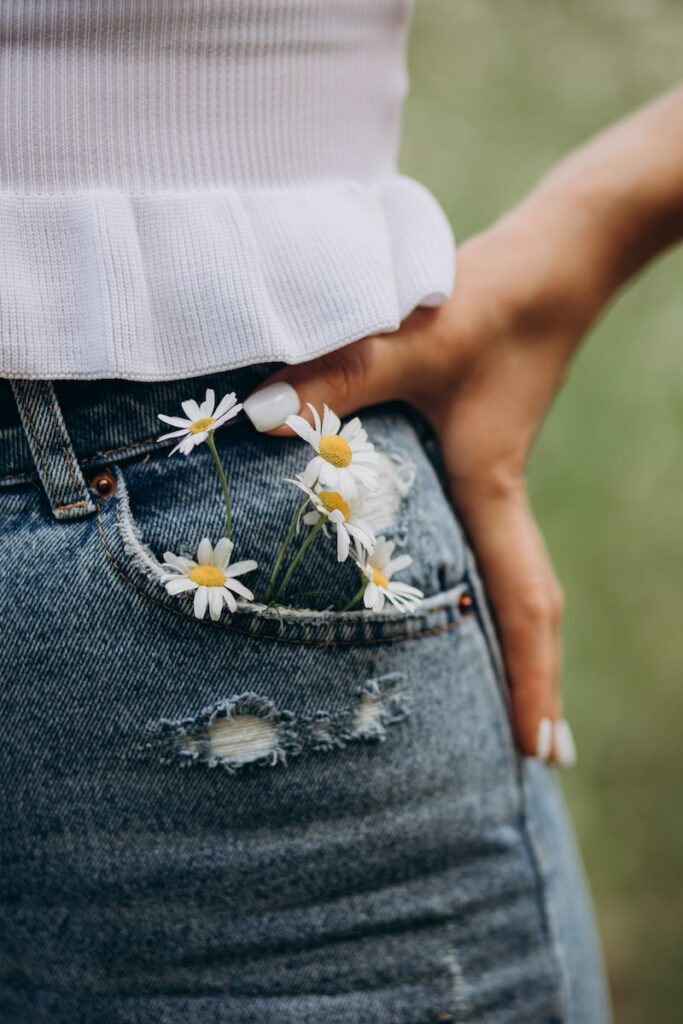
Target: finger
527, 604
376, 369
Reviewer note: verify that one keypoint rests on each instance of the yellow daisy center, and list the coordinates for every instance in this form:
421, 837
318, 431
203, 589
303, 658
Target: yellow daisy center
199, 426
333, 502
335, 449
207, 576
380, 579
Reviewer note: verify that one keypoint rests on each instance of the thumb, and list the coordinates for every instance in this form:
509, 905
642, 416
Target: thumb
359, 374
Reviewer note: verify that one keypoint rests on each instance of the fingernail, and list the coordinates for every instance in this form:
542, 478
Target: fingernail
544, 739
270, 407
565, 748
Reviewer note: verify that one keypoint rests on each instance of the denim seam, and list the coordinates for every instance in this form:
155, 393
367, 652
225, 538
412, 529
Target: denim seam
31, 473
260, 636
538, 860
16, 476
71, 504
121, 448
541, 887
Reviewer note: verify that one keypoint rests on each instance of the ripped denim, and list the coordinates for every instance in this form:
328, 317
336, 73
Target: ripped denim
276, 818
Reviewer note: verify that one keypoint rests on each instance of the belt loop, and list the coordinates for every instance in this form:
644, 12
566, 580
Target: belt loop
51, 448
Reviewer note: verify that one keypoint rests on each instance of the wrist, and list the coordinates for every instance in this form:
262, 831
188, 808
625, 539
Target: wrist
572, 250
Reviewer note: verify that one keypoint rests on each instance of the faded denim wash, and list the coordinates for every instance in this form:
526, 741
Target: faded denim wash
273, 819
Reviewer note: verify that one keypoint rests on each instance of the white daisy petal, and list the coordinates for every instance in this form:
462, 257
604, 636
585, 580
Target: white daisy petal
329, 475
385, 549
331, 422
364, 539
316, 418
367, 457
191, 409
205, 552
226, 403
366, 477
174, 433
222, 553
229, 599
310, 474
174, 421
215, 603
178, 562
207, 406
342, 544
301, 427
350, 430
346, 485
398, 564
186, 445
239, 568
179, 585
239, 588
201, 600
230, 414
406, 589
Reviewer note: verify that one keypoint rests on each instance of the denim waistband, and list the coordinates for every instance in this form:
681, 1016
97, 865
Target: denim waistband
49, 429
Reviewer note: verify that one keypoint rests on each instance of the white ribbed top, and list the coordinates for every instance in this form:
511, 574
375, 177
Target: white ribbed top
193, 185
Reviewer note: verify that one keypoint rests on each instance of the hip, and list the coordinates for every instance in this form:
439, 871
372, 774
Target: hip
251, 819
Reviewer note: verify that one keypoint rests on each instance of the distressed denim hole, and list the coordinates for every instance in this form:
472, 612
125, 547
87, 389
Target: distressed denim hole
242, 739
248, 729
369, 714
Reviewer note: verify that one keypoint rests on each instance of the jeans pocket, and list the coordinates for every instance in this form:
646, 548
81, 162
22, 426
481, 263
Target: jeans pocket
276, 684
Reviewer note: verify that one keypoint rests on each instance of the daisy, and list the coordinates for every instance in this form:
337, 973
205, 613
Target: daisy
346, 517
344, 458
201, 422
211, 577
378, 568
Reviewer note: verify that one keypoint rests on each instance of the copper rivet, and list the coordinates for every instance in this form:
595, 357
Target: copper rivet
104, 483
465, 602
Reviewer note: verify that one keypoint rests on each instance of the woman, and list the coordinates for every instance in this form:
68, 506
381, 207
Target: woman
299, 812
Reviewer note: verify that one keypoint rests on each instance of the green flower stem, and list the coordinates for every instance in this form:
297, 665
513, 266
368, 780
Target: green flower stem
356, 597
315, 530
224, 484
289, 536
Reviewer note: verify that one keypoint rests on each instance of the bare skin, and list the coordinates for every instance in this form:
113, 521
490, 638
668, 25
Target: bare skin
484, 367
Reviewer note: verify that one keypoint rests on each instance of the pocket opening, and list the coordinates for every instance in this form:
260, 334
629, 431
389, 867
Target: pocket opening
136, 564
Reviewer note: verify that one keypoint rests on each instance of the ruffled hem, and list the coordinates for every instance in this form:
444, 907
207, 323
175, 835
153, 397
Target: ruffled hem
176, 284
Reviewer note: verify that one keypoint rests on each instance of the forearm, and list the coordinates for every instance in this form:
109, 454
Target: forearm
612, 205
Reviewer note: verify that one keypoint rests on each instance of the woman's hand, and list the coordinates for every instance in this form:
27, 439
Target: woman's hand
482, 369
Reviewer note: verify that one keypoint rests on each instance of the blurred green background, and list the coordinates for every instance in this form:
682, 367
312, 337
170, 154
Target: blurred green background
500, 90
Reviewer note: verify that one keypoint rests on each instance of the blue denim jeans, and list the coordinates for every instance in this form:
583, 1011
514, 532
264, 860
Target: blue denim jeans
275, 818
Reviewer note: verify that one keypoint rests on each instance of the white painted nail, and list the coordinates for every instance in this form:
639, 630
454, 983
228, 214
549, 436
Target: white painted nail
565, 748
270, 407
544, 739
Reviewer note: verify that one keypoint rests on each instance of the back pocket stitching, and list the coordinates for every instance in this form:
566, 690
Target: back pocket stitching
307, 621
